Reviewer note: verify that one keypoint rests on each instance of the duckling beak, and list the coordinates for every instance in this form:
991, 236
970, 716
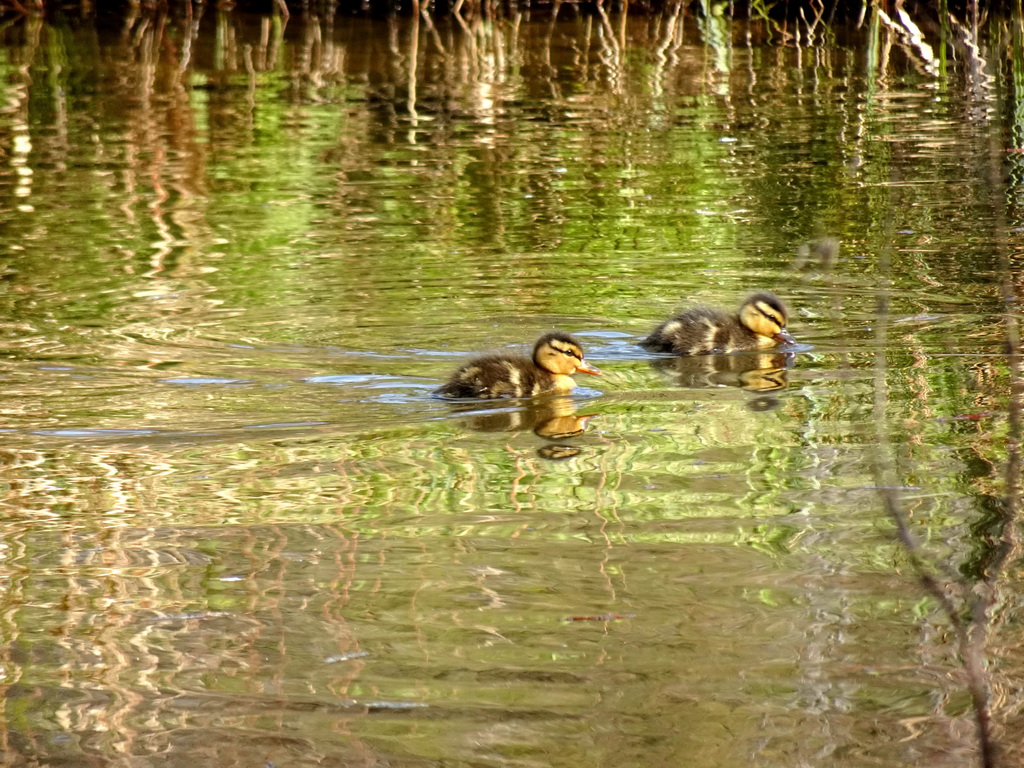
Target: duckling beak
783, 337
585, 367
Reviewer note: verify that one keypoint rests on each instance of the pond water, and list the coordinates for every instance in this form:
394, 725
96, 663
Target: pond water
238, 255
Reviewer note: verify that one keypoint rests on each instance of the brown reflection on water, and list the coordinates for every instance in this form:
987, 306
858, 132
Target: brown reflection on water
307, 643
140, 642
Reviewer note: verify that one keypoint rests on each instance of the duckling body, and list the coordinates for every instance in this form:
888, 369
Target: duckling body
759, 324
556, 356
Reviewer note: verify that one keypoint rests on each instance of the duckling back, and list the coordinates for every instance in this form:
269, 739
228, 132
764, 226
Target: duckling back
700, 331
494, 376
760, 324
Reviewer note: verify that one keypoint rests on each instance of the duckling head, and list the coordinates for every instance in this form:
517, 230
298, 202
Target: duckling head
766, 316
561, 354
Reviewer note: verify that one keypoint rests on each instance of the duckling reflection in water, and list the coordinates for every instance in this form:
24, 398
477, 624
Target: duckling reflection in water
556, 356
760, 372
759, 324
553, 419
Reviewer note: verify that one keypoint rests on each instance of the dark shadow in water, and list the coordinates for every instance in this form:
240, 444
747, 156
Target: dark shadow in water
554, 419
760, 372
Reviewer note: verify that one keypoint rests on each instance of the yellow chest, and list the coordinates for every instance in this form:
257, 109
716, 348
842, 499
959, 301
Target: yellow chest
562, 383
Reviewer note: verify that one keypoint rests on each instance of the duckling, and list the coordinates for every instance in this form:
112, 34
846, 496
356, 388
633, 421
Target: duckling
556, 356
760, 323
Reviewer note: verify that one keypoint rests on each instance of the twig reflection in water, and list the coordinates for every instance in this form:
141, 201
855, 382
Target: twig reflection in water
554, 419
967, 596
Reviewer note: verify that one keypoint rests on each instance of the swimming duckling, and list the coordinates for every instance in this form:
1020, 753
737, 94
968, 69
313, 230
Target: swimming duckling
556, 356
760, 323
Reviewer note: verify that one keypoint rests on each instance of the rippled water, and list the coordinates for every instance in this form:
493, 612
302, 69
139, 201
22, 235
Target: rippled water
240, 254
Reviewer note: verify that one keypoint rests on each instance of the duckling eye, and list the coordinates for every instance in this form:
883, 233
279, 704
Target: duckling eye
772, 317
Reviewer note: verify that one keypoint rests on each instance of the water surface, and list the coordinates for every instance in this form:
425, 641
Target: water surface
239, 254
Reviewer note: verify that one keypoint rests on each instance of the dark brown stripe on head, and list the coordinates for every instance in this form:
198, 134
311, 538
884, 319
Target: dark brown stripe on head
561, 341
777, 310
